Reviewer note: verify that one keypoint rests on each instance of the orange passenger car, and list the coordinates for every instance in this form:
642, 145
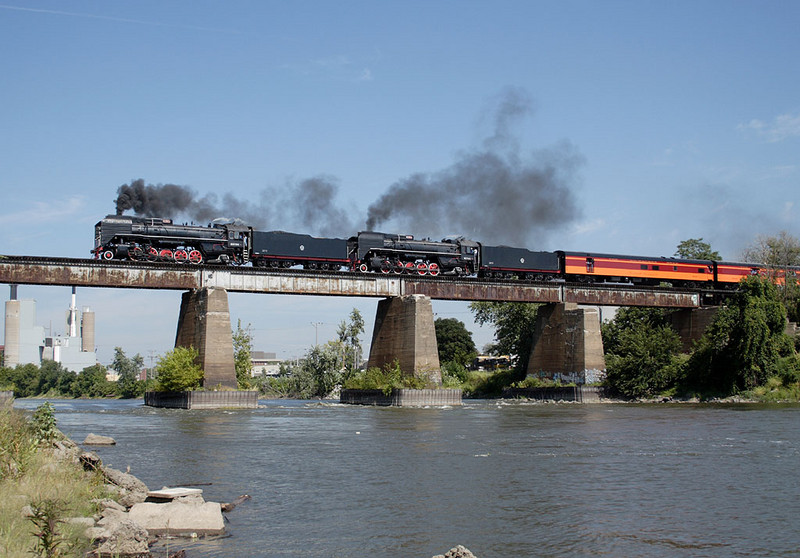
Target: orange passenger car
611, 268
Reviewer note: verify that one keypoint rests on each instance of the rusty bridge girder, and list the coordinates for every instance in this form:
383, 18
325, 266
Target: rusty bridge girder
91, 273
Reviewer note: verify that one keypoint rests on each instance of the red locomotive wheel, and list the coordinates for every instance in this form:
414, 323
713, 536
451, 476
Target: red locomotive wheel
409, 267
108, 255
166, 254
422, 268
433, 269
195, 256
181, 256
363, 268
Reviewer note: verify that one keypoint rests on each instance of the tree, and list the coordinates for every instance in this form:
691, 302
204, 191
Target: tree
454, 342
92, 382
318, 374
514, 323
696, 249
128, 384
242, 347
642, 352
779, 254
744, 343
178, 370
349, 343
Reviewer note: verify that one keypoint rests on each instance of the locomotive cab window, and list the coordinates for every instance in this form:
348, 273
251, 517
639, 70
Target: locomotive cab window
589, 265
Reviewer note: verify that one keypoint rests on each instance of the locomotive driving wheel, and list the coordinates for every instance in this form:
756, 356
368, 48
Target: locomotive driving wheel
136, 253
181, 256
195, 257
433, 269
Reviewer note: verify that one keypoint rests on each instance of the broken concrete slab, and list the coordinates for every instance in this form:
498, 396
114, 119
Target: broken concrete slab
177, 518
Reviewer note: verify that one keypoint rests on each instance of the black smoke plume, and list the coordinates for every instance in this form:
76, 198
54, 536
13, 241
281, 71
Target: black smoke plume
307, 206
493, 194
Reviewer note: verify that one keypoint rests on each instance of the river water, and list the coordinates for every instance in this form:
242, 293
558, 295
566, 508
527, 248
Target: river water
501, 478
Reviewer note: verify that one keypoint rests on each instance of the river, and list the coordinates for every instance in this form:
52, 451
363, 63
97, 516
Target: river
501, 478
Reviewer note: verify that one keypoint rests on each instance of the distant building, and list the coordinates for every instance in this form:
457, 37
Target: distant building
264, 364
26, 343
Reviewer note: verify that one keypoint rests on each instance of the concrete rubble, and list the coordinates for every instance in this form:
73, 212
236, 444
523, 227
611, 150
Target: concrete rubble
125, 526
457, 552
98, 440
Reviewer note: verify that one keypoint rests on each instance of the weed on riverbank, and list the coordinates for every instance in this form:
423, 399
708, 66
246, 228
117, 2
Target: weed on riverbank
40, 495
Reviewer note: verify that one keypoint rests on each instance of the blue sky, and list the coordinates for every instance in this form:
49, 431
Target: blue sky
621, 127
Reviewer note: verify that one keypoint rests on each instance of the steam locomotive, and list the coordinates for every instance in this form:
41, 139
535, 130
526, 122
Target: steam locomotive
231, 243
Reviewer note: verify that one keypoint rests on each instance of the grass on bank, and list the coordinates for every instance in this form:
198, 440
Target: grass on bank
39, 493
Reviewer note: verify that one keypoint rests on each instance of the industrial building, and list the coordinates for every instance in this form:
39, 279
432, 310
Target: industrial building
26, 343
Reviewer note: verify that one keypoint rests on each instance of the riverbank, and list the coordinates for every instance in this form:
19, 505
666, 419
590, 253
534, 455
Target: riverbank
57, 499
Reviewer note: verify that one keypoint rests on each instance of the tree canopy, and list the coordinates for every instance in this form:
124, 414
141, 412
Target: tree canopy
454, 341
642, 352
745, 342
696, 249
177, 370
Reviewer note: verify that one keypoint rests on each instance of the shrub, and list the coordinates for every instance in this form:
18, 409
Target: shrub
178, 370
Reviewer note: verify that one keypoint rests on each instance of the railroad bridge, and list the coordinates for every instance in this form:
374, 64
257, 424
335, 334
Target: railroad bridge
567, 338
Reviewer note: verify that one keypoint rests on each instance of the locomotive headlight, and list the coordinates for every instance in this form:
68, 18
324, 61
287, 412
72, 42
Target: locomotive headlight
522, 260
302, 247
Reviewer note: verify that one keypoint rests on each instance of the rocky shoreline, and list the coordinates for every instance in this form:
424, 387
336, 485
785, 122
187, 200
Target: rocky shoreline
134, 517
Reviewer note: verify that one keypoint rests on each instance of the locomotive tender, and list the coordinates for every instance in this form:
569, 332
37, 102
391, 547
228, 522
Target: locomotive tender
230, 243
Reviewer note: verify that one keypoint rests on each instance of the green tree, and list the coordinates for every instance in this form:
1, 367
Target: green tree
696, 249
24, 380
242, 347
349, 343
454, 341
92, 382
514, 325
318, 374
128, 384
178, 370
744, 343
642, 352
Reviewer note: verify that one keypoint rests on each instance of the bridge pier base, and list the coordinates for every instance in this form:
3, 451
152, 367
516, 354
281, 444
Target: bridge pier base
404, 331
567, 345
205, 324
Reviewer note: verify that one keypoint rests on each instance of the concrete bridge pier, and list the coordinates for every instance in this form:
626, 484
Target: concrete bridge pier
404, 331
691, 323
567, 344
205, 324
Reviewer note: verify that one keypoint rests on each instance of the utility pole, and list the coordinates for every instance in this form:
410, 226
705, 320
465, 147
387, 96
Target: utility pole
316, 332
